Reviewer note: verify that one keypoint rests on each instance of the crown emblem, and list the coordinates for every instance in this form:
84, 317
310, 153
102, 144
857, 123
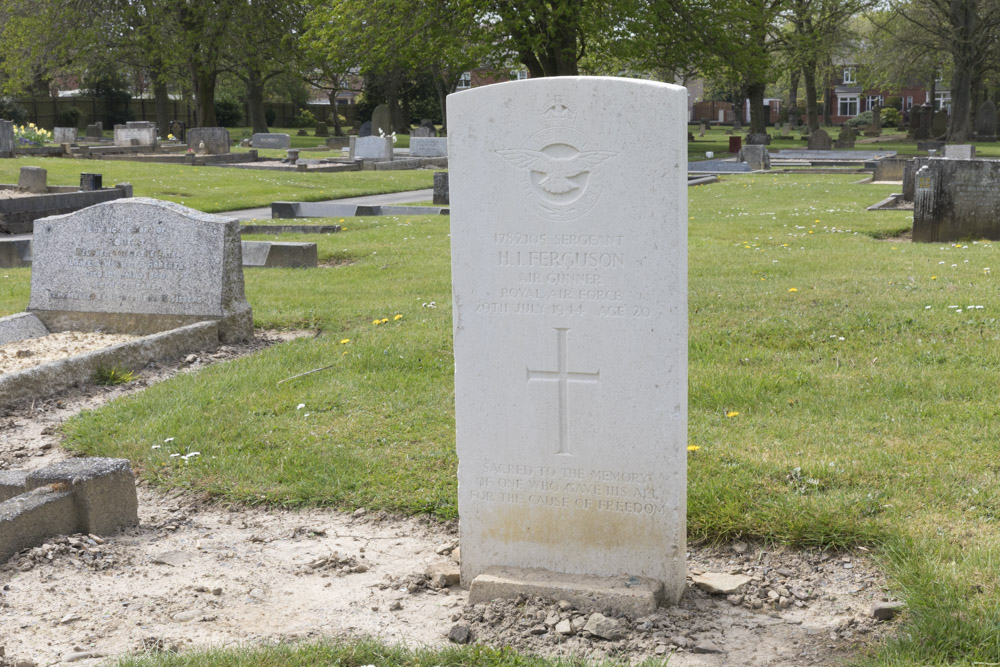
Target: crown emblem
558, 114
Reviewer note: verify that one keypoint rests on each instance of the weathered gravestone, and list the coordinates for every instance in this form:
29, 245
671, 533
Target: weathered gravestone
986, 121
382, 120
755, 156
960, 151
909, 177
441, 196
428, 146
924, 116
422, 131
372, 148
128, 135
846, 138
957, 199
176, 129
570, 339
91, 182
322, 130
95, 131
366, 129
211, 140
271, 140
875, 129
702, 128
939, 124
138, 266
6, 138
890, 169
64, 135
819, 140
33, 179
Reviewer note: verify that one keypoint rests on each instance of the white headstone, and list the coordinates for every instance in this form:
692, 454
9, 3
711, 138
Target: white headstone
373, 148
428, 146
135, 136
569, 269
64, 135
960, 151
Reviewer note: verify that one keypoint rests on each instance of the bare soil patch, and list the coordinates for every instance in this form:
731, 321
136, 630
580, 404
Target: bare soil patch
35, 351
196, 574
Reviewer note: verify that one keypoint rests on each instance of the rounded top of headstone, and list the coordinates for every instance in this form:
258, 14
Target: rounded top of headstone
141, 208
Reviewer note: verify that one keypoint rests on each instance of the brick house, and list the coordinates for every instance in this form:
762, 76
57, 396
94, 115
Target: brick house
849, 98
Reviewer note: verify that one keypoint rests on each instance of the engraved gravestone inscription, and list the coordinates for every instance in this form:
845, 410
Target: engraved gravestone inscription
569, 270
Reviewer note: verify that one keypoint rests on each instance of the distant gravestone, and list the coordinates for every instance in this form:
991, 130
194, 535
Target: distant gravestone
381, 120
702, 128
986, 121
586, 452
64, 135
428, 146
890, 169
422, 131
756, 156
875, 128
758, 138
939, 124
177, 130
322, 130
366, 129
819, 140
215, 140
138, 266
373, 148
846, 138
91, 182
6, 138
441, 196
960, 151
129, 135
786, 130
957, 199
924, 114
95, 131
33, 179
271, 140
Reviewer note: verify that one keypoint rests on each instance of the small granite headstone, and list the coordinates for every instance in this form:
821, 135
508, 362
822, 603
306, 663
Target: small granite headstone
819, 140
33, 179
322, 130
960, 151
64, 135
702, 128
570, 336
846, 138
366, 129
756, 156
6, 138
986, 121
90, 182
271, 140
139, 266
441, 197
373, 148
428, 146
95, 131
177, 129
129, 135
337, 142
957, 199
216, 139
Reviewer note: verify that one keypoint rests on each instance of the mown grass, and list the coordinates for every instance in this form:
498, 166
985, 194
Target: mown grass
214, 189
842, 392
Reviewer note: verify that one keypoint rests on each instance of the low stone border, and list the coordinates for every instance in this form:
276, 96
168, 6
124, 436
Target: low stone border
294, 209
275, 254
288, 229
15, 251
88, 495
18, 215
890, 203
52, 377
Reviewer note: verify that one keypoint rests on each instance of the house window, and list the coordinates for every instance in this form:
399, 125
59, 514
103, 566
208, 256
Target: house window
464, 81
873, 100
909, 102
849, 76
848, 105
518, 74
943, 100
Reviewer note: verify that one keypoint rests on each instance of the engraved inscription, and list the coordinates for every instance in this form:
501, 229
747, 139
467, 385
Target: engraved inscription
562, 376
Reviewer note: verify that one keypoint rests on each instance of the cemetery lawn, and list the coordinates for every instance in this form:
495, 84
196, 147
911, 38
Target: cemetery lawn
842, 392
215, 189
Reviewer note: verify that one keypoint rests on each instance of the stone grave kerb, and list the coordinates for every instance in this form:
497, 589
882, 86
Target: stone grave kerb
139, 266
569, 267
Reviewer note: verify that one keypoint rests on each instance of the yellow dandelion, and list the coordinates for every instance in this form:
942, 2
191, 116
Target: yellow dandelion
376, 322
933, 277
817, 221
383, 320
397, 318
810, 231
732, 413
793, 289
345, 341
693, 448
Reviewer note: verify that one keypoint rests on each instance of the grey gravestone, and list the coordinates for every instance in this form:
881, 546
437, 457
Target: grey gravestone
923, 115
95, 131
909, 176
381, 120
135, 135
875, 129
90, 182
64, 135
373, 148
756, 156
215, 139
786, 130
890, 169
177, 128
441, 188
366, 129
957, 199
423, 131
322, 130
702, 128
819, 140
33, 179
758, 138
139, 266
960, 152
986, 121
428, 146
6, 138
939, 125
269, 140
737, 125
846, 138
338, 142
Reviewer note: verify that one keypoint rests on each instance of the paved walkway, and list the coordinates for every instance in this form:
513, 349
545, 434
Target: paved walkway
389, 198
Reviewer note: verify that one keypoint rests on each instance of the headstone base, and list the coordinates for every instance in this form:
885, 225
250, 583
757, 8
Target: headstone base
635, 596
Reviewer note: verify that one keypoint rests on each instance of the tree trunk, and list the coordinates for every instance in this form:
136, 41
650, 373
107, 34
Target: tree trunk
162, 100
337, 130
204, 97
812, 112
404, 125
442, 88
932, 95
964, 18
960, 119
827, 106
793, 94
255, 101
755, 92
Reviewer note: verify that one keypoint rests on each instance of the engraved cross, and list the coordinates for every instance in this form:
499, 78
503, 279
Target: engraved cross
563, 376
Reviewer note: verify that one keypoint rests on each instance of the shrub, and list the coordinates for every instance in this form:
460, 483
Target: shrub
68, 117
11, 110
891, 116
863, 119
306, 118
228, 113
30, 135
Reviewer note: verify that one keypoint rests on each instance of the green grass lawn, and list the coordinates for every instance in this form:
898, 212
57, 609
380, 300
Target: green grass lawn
213, 189
842, 392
